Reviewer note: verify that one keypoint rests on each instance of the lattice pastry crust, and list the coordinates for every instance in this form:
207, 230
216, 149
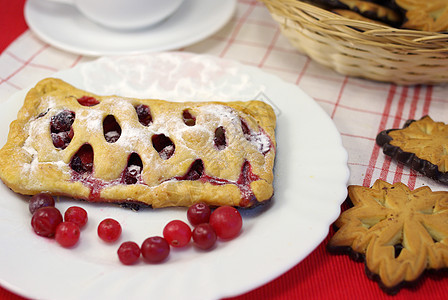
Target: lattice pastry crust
70, 142
399, 232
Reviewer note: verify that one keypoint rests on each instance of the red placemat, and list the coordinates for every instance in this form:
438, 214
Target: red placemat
12, 22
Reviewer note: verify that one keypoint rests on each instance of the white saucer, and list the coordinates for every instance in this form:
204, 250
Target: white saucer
64, 27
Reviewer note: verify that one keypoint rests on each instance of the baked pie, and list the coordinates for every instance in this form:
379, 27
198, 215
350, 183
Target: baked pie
70, 142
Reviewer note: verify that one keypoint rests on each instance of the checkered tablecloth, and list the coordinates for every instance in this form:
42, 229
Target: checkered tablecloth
359, 108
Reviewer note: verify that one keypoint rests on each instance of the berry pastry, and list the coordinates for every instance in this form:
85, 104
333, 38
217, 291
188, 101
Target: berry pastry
70, 142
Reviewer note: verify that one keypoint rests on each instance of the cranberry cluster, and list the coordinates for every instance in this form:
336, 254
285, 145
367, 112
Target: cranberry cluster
47, 220
225, 223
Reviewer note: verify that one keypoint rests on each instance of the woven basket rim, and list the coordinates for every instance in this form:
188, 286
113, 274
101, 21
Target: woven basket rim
361, 48
361, 31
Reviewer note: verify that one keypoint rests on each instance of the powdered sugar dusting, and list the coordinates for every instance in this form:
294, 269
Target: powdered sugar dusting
91, 118
261, 141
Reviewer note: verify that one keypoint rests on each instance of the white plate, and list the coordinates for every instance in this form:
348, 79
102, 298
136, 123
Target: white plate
310, 184
64, 27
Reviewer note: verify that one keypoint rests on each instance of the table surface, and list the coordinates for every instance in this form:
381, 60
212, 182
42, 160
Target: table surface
359, 108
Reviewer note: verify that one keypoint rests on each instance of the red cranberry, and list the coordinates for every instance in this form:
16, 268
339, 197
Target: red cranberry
226, 221
198, 213
155, 249
67, 234
40, 200
45, 220
177, 233
88, 101
61, 129
109, 230
77, 215
62, 121
128, 253
204, 236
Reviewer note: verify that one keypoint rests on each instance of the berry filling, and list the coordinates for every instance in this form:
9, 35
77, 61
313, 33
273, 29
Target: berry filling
62, 139
246, 177
82, 161
260, 139
132, 173
220, 138
196, 172
87, 101
163, 145
143, 114
82, 165
61, 128
111, 129
188, 118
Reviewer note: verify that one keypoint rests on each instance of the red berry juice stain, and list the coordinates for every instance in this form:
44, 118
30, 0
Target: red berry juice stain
196, 172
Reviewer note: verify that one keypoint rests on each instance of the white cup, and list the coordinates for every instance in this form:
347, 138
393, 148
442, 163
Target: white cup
125, 14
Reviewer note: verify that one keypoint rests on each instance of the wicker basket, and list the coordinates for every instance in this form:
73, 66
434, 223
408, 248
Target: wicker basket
363, 49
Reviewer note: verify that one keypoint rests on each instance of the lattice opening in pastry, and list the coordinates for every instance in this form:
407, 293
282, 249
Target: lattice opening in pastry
220, 138
188, 118
111, 129
195, 172
133, 171
82, 161
143, 114
163, 145
61, 128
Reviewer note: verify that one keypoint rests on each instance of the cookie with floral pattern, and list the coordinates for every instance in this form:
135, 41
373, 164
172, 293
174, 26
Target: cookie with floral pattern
420, 144
398, 232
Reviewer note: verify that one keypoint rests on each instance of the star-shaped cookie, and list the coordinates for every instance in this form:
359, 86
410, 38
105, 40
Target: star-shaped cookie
421, 145
400, 232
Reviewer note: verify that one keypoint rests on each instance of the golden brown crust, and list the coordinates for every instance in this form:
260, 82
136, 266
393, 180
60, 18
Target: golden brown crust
400, 232
30, 163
